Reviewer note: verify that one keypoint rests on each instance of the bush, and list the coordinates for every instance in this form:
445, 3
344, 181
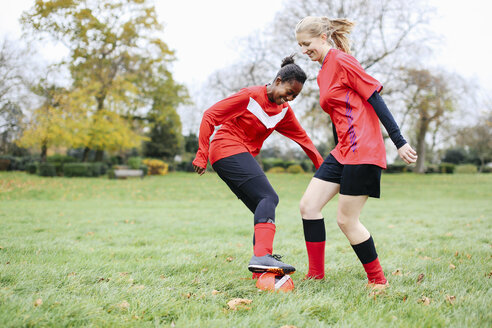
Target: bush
4, 164
145, 169
46, 170
276, 169
295, 169
308, 166
396, 168
32, 168
270, 162
185, 166
432, 168
156, 166
134, 163
98, 169
57, 158
466, 169
78, 170
446, 168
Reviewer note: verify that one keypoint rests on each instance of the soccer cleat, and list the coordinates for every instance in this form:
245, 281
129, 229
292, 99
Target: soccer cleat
270, 263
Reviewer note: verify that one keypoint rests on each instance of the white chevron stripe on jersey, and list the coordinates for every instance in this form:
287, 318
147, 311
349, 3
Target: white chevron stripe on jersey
268, 121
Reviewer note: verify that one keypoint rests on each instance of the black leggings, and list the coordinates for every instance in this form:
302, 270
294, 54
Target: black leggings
247, 181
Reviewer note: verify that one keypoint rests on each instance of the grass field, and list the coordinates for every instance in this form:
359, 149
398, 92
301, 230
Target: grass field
172, 251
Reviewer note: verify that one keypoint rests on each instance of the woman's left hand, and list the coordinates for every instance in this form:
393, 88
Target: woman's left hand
407, 154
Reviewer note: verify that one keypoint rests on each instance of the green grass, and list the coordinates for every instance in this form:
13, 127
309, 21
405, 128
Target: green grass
145, 253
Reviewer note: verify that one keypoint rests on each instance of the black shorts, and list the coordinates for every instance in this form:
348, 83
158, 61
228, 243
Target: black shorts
354, 180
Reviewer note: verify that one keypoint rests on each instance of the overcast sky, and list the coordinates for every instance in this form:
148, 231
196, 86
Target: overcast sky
203, 33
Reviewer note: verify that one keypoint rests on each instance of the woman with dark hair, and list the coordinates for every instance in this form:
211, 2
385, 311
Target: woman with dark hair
353, 169
247, 118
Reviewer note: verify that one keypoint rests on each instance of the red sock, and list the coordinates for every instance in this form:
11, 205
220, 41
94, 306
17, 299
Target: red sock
264, 234
375, 272
316, 256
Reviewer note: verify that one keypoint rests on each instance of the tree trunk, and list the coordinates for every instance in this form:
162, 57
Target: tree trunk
86, 154
423, 126
44, 150
99, 155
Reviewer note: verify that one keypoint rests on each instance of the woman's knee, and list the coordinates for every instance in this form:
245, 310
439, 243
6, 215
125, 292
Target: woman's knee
308, 209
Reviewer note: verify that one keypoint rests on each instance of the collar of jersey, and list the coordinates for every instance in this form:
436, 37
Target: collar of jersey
326, 56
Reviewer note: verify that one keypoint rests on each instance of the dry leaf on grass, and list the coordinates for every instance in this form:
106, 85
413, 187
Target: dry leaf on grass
230, 259
424, 300
215, 292
124, 305
450, 299
288, 326
420, 278
452, 266
397, 272
38, 302
239, 303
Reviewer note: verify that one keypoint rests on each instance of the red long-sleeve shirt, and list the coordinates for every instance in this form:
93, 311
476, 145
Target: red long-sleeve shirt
248, 117
344, 88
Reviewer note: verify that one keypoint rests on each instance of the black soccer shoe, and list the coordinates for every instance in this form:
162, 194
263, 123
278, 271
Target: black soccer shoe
270, 263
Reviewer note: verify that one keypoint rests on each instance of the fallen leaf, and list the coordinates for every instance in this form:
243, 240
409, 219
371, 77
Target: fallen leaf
237, 303
450, 299
162, 276
397, 272
90, 233
215, 292
456, 253
71, 274
424, 300
420, 278
229, 259
288, 326
124, 305
449, 234
468, 256
1, 247
122, 274
38, 302
452, 266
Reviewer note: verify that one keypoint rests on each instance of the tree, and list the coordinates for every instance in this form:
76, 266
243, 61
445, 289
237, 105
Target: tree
428, 98
12, 86
46, 127
114, 49
478, 139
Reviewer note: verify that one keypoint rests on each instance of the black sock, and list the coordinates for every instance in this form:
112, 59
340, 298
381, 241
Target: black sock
314, 230
366, 251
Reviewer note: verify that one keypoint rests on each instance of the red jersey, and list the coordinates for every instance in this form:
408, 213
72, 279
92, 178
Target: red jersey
248, 117
344, 89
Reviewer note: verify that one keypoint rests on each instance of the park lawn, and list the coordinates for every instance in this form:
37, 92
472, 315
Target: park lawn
173, 250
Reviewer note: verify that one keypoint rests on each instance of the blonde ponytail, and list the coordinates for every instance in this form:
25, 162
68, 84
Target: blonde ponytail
336, 30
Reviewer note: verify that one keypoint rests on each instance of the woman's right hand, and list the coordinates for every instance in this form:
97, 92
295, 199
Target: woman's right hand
199, 170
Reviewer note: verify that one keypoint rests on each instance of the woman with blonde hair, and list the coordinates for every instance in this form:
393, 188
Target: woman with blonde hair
353, 168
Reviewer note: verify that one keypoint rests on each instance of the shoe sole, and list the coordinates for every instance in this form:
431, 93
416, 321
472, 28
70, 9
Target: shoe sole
276, 270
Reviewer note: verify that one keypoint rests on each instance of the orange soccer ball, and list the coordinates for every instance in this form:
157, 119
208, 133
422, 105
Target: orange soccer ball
275, 282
